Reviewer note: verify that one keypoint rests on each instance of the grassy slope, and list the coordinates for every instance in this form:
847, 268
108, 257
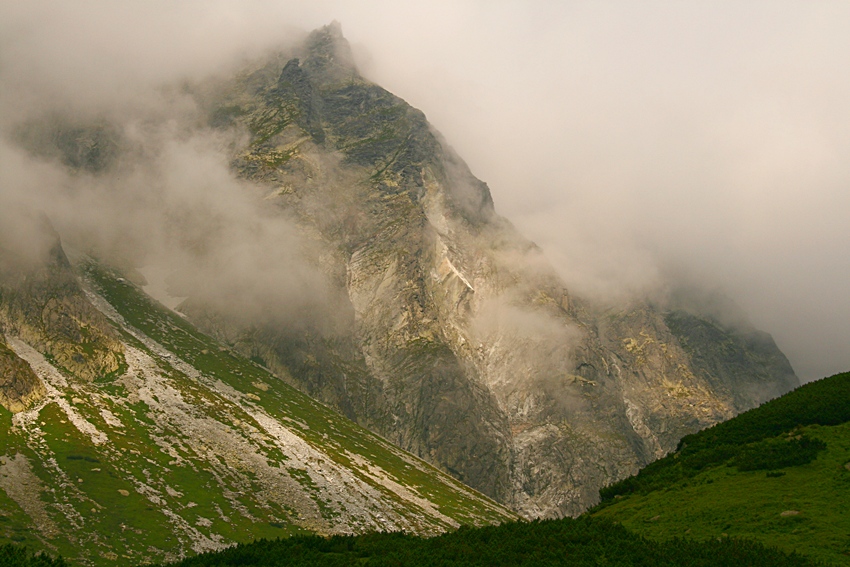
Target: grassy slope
96, 498
311, 420
803, 507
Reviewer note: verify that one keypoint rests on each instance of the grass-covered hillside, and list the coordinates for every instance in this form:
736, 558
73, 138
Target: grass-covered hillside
191, 448
779, 474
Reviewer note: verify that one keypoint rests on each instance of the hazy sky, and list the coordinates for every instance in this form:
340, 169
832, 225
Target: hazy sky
631, 140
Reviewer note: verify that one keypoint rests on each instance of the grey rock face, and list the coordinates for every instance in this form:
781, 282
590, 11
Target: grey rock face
83, 147
746, 363
462, 345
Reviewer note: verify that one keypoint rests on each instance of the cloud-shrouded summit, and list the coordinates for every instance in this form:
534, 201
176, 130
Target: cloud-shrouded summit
637, 143
271, 186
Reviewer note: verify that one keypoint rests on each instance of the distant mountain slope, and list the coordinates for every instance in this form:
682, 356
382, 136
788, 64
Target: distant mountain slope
779, 473
189, 447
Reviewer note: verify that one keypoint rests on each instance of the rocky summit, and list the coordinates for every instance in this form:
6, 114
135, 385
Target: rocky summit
440, 328
457, 340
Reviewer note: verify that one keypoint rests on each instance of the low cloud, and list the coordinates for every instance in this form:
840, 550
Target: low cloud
170, 202
634, 142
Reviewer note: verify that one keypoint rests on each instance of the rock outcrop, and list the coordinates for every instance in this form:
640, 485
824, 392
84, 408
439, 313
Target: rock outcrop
42, 302
20, 387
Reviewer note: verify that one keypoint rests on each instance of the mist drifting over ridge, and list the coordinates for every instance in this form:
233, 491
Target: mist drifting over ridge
634, 142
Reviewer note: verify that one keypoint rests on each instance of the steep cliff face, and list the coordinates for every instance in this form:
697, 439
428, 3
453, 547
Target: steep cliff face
746, 364
460, 343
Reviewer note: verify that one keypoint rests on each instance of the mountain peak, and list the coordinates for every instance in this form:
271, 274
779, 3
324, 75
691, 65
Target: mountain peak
334, 28
328, 54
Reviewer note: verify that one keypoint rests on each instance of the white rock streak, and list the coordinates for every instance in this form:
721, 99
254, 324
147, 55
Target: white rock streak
358, 498
55, 384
